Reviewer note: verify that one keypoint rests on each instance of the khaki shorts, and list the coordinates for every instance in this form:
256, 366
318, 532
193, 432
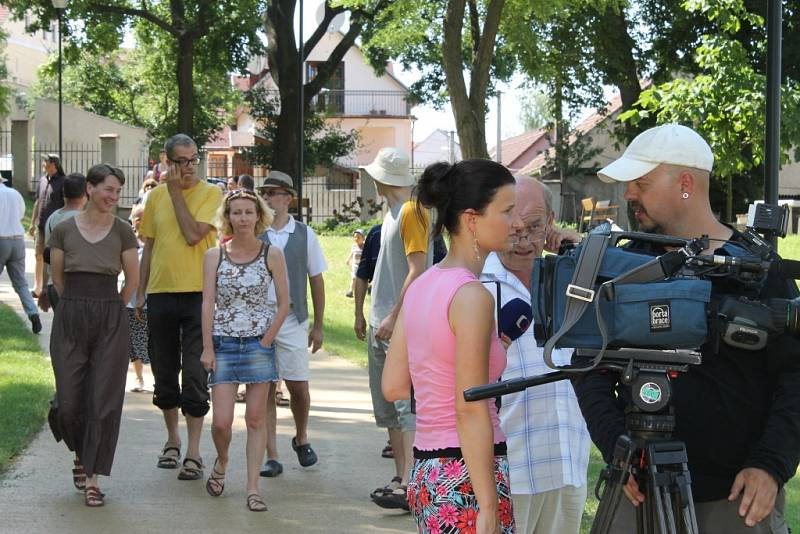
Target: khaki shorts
291, 350
387, 414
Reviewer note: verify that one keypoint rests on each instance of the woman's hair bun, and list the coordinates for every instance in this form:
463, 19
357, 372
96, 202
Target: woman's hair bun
434, 188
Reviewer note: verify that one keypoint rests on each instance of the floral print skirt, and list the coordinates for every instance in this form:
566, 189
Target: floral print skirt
442, 501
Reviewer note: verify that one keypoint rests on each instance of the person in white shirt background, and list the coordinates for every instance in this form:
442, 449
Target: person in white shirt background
548, 444
12, 249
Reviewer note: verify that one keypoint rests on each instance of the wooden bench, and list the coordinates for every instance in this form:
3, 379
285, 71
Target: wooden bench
592, 212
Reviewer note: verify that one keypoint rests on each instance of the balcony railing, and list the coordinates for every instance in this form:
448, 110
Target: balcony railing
363, 103
360, 103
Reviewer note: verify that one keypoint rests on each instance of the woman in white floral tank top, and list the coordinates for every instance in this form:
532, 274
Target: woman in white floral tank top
239, 328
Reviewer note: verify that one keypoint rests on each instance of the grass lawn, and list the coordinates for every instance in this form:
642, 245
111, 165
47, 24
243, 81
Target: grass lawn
339, 310
340, 340
26, 385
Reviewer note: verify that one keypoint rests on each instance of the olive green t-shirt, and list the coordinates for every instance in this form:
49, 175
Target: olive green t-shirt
103, 257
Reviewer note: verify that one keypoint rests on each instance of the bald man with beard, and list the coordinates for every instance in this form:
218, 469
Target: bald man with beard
738, 412
548, 444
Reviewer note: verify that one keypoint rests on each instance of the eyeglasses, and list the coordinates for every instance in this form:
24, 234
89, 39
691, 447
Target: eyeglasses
273, 192
185, 162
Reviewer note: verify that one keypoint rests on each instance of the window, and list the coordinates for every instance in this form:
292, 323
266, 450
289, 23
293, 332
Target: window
331, 99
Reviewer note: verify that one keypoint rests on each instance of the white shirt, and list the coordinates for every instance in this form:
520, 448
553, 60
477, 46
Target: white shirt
548, 443
12, 210
316, 260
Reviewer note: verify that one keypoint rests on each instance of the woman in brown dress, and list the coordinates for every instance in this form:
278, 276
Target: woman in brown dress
89, 341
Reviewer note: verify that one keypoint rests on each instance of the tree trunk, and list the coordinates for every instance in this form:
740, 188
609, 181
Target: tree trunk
620, 68
285, 146
185, 64
469, 109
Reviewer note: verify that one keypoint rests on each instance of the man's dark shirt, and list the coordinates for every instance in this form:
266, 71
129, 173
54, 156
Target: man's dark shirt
736, 409
50, 197
369, 254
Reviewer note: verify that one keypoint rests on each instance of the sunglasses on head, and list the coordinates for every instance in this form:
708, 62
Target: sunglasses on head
241, 193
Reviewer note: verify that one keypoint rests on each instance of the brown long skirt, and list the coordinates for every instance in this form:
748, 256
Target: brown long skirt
89, 347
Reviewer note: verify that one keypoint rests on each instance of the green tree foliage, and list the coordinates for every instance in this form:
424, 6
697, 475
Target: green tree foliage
446, 41
725, 102
5, 91
324, 142
187, 48
537, 110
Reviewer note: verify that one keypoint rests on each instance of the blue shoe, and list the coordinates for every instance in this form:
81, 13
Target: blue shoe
305, 454
272, 468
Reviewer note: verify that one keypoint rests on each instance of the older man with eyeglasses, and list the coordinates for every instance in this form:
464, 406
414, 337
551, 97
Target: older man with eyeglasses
548, 444
178, 229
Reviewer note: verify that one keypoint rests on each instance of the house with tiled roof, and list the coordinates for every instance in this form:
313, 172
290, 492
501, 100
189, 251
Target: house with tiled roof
517, 152
355, 98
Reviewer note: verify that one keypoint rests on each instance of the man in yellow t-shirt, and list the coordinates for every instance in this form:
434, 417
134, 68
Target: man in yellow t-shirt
178, 229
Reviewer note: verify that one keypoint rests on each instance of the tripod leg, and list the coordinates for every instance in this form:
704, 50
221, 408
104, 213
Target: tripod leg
613, 478
609, 500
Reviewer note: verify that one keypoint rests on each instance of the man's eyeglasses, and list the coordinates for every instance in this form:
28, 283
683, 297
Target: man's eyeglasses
273, 192
185, 162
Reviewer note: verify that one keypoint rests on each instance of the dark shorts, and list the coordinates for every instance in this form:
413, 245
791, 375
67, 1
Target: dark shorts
242, 360
176, 341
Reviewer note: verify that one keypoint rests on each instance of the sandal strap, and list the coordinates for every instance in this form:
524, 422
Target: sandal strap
195, 461
255, 502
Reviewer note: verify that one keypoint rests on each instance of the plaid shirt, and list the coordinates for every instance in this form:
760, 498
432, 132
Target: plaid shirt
548, 444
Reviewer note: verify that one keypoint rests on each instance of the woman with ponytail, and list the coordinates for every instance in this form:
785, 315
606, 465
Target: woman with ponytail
444, 342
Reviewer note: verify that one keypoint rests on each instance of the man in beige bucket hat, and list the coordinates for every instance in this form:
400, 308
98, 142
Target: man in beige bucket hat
406, 251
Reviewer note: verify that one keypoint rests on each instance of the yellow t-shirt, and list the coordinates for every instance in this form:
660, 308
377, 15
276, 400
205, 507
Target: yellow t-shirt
413, 230
175, 266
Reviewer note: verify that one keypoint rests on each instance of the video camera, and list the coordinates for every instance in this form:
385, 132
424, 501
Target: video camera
628, 311
597, 295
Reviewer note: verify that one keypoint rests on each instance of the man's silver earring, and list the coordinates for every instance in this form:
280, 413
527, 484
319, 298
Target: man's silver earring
685, 195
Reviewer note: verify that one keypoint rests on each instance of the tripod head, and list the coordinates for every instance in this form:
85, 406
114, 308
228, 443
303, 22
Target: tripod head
647, 371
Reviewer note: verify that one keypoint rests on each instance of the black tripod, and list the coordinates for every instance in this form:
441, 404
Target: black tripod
647, 452
659, 465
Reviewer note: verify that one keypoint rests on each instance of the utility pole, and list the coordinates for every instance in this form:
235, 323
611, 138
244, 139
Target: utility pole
499, 149
300, 118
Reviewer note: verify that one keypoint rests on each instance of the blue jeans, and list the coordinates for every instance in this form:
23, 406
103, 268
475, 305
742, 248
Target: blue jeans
12, 257
242, 360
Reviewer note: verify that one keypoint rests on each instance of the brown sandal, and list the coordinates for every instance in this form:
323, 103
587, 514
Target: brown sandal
78, 475
215, 484
94, 497
255, 503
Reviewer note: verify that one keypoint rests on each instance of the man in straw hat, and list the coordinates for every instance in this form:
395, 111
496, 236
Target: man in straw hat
406, 251
305, 264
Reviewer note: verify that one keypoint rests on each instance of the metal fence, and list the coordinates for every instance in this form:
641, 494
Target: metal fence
79, 157
135, 171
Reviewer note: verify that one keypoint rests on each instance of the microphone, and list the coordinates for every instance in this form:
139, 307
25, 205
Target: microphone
515, 318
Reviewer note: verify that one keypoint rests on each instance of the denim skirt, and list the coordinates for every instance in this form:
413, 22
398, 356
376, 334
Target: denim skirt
242, 360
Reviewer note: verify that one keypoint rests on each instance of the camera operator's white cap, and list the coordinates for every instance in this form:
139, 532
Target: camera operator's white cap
390, 167
672, 144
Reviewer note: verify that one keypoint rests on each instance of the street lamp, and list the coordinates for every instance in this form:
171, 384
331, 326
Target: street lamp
60, 6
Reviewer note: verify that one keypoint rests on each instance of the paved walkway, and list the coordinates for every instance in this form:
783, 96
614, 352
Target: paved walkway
36, 495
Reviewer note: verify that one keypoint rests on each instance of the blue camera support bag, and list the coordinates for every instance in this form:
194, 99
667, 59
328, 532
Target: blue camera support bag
664, 314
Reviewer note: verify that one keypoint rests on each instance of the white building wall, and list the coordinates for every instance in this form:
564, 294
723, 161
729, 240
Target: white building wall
83, 127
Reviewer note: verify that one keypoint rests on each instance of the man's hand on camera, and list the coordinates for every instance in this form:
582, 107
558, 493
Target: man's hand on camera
760, 491
555, 236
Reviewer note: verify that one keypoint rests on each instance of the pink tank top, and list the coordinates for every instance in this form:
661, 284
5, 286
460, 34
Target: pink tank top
432, 357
